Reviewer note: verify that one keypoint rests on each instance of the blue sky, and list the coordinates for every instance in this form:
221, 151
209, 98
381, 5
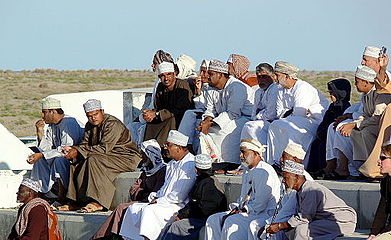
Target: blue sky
124, 34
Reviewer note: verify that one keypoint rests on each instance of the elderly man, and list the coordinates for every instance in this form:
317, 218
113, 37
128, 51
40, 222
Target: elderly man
363, 131
224, 122
321, 214
173, 97
206, 96
258, 198
146, 220
35, 219
376, 59
50, 166
287, 205
105, 151
301, 108
264, 110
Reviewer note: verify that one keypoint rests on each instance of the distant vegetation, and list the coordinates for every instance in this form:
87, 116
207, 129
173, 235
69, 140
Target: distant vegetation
22, 90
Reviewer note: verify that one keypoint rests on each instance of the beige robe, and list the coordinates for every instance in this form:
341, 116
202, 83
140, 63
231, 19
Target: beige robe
105, 151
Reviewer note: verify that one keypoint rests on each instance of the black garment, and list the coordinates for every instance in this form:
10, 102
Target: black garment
206, 198
340, 88
382, 221
150, 184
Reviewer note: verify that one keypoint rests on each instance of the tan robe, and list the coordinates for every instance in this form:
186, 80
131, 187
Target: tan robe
364, 138
106, 151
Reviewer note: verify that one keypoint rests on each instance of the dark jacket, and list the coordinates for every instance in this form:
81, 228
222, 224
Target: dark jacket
206, 198
382, 221
146, 185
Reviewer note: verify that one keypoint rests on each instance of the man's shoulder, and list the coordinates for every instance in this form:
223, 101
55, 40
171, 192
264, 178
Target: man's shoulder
180, 83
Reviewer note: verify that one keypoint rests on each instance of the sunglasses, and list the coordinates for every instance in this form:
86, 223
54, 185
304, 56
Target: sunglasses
384, 158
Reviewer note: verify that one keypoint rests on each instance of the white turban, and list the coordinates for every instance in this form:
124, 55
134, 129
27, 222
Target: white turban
254, 145
186, 66
203, 161
165, 67
218, 66
50, 103
293, 167
287, 68
92, 105
177, 138
372, 52
32, 184
205, 63
296, 150
365, 73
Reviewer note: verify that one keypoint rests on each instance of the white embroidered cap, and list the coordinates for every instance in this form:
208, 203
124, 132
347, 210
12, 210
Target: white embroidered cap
293, 167
365, 73
296, 150
165, 67
218, 66
32, 184
50, 103
177, 138
92, 105
372, 52
203, 161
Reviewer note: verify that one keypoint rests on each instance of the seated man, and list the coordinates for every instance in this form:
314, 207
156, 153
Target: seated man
146, 220
35, 219
173, 97
151, 179
300, 108
224, 122
50, 166
238, 68
205, 96
206, 198
321, 214
258, 198
363, 132
264, 110
381, 226
105, 151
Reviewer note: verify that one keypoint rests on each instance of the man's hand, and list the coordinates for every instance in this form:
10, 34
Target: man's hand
198, 85
39, 127
383, 61
371, 237
153, 201
149, 115
33, 158
70, 152
276, 227
347, 129
342, 118
205, 125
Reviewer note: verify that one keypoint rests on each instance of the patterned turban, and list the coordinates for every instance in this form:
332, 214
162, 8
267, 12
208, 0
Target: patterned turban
293, 167
287, 68
240, 65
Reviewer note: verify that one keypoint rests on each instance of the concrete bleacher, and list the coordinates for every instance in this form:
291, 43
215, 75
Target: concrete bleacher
363, 197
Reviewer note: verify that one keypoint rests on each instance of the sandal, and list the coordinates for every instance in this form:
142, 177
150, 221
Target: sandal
335, 176
66, 207
90, 208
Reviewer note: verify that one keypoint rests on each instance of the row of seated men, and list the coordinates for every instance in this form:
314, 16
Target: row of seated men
83, 168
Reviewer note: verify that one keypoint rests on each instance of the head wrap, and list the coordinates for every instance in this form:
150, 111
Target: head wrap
152, 149
165, 67
177, 138
372, 52
293, 167
365, 73
203, 161
240, 65
205, 63
32, 184
295, 150
92, 105
186, 66
50, 103
162, 56
254, 145
287, 68
218, 66
341, 89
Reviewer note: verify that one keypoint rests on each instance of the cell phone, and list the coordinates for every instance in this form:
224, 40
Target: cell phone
383, 51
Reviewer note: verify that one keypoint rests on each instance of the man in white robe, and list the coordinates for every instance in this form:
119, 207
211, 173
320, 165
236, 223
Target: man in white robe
50, 166
321, 214
300, 108
224, 122
287, 205
264, 110
146, 220
259, 195
206, 96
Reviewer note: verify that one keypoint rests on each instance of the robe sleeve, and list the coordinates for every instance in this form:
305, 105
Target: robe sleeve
308, 202
303, 98
280, 107
37, 227
237, 96
380, 105
269, 112
111, 134
47, 141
